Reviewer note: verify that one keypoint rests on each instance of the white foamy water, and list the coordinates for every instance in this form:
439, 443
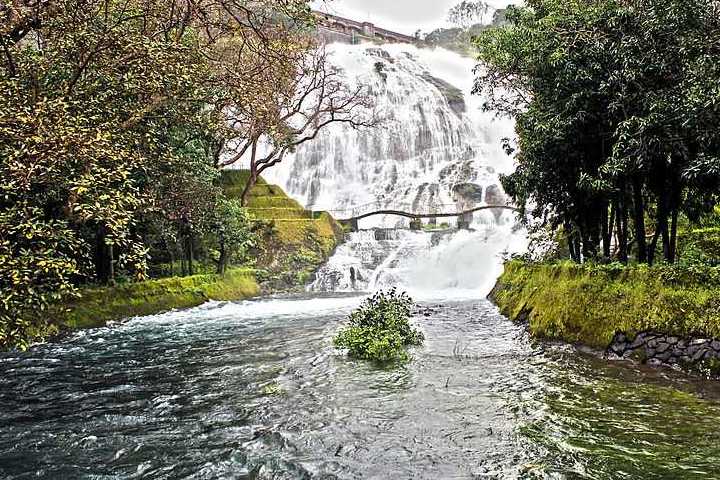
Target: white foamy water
437, 151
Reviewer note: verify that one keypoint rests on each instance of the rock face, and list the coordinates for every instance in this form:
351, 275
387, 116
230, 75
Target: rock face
454, 96
697, 354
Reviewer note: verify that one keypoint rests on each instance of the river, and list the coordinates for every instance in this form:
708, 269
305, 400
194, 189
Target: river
254, 390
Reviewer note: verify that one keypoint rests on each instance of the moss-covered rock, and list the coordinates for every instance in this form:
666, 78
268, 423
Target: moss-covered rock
295, 242
98, 306
589, 305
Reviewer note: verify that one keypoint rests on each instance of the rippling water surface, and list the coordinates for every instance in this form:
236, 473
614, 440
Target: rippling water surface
255, 390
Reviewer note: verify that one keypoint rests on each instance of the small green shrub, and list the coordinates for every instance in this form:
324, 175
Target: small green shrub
380, 329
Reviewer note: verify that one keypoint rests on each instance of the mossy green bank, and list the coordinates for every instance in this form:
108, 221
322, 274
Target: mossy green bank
590, 304
293, 244
98, 306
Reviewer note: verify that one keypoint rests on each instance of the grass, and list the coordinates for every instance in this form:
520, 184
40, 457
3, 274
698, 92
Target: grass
101, 305
589, 305
280, 213
295, 241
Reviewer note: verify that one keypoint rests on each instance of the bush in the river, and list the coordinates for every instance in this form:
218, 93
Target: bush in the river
380, 329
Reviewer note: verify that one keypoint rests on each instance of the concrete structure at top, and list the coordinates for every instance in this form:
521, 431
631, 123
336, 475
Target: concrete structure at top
338, 29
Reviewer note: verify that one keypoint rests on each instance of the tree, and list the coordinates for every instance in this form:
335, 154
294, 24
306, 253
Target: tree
291, 111
606, 95
233, 234
468, 13
109, 118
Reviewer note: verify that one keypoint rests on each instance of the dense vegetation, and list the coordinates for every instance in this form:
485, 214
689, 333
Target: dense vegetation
115, 119
380, 329
589, 303
470, 19
618, 119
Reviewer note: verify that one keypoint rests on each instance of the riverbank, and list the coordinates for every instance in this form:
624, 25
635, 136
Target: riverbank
485, 402
293, 244
98, 306
664, 314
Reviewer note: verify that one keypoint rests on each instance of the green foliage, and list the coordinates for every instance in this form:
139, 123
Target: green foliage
39, 260
97, 306
590, 303
617, 114
232, 235
700, 246
380, 329
272, 390
112, 122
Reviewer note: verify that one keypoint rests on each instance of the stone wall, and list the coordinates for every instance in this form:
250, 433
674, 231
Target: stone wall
659, 349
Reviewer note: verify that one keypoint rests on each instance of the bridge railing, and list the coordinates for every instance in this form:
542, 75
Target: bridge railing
408, 208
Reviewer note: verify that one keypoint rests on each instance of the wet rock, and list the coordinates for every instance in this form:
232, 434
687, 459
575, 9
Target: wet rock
699, 354
664, 356
495, 196
619, 349
715, 345
468, 192
454, 96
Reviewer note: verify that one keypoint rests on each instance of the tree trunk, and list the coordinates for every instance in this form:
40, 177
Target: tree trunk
252, 180
621, 228
223, 260
639, 205
111, 264
608, 223
653, 245
570, 234
675, 200
672, 257
189, 254
104, 268
624, 228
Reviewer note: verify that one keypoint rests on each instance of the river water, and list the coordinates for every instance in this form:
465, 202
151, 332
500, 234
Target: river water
254, 390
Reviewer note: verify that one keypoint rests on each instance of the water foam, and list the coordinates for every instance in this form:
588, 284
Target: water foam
436, 152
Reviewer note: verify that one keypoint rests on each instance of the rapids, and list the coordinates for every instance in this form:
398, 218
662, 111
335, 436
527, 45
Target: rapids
254, 390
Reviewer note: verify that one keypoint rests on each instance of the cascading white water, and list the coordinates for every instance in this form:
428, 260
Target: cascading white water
436, 151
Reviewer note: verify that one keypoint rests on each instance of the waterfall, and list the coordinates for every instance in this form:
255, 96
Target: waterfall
435, 151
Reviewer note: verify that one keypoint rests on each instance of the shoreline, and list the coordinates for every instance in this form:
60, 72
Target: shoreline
99, 306
629, 314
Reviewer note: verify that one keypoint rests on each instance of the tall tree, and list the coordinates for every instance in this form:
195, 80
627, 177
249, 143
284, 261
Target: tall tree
293, 108
605, 94
101, 100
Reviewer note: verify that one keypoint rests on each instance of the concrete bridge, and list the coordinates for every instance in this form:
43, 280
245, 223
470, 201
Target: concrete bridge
351, 217
335, 28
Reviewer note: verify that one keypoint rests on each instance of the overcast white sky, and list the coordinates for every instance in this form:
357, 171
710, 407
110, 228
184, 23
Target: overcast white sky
402, 16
